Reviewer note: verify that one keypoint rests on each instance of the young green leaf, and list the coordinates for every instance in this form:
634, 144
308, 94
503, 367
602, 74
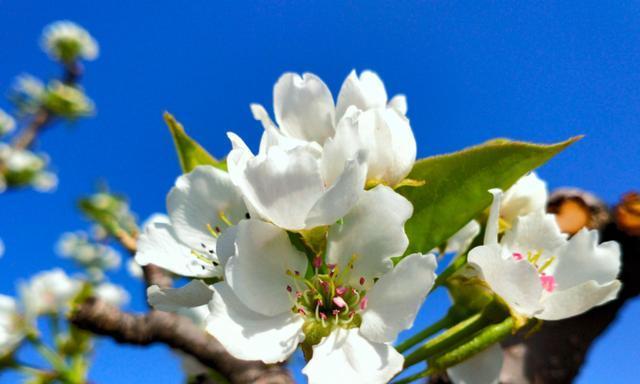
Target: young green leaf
456, 185
190, 153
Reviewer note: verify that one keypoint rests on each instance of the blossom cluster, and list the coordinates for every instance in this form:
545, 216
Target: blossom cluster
47, 293
303, 242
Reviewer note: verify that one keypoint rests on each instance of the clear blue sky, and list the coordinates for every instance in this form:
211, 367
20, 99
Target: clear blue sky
471, 71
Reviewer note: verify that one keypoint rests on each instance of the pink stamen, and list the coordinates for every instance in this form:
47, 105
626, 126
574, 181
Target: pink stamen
323, 316
339, 302
331, 266
302, 312
317, 262
363, 303
518, 256
341, 291
548, 282
298, 294
335, 312
297, 273
325, 286
362, 280
289, 289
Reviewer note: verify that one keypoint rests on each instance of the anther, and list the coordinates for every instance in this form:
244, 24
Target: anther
363, 303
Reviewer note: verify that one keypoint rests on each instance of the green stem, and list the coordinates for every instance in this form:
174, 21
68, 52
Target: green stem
487, 337
56, 361
454, 336
412, 378
447, 321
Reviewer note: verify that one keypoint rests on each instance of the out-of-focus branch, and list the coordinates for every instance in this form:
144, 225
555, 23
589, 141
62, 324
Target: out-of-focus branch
171, 329
177, 332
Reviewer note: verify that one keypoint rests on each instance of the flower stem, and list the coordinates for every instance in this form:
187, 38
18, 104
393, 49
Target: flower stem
483, 340
494, 312
442, 278
447, 321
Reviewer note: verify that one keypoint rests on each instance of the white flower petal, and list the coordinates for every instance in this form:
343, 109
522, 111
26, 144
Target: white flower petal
395, 299
403, 145
346, 357
461, 240
341, 196
260, 114
534, 232
399, 103
493, 222
517, 282
271, 183
159, 245
578, 299
373, 231
483, 368
304, 107
257, 273
226, 244
365, 91
582, 259
197, 203
248, 335
194, 294
527, 195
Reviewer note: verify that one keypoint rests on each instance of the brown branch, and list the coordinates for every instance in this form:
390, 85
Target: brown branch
177, 332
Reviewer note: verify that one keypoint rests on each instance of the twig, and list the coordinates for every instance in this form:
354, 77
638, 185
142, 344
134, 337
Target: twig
177, 332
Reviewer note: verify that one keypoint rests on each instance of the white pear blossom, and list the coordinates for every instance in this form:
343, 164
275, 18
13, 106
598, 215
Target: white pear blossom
541, 274
361, 120
201, 205
7, 123
11, 326
285, 183
48, 292
112, 294
67, 41
349, 308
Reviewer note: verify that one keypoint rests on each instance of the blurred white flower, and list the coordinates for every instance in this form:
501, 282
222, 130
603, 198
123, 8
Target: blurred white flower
7, 123
112, 294
48, 292
67, 101
361, 120
11, 326
23, 167
134, 269
27, 93
67, 41
90, 255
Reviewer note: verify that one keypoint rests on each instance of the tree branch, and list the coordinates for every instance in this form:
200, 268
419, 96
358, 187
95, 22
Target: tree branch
177, 332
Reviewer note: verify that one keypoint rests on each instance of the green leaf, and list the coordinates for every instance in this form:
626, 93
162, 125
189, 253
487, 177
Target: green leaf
190, 153
456, 185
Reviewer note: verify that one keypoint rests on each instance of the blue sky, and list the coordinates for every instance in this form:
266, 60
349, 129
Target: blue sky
471, 71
